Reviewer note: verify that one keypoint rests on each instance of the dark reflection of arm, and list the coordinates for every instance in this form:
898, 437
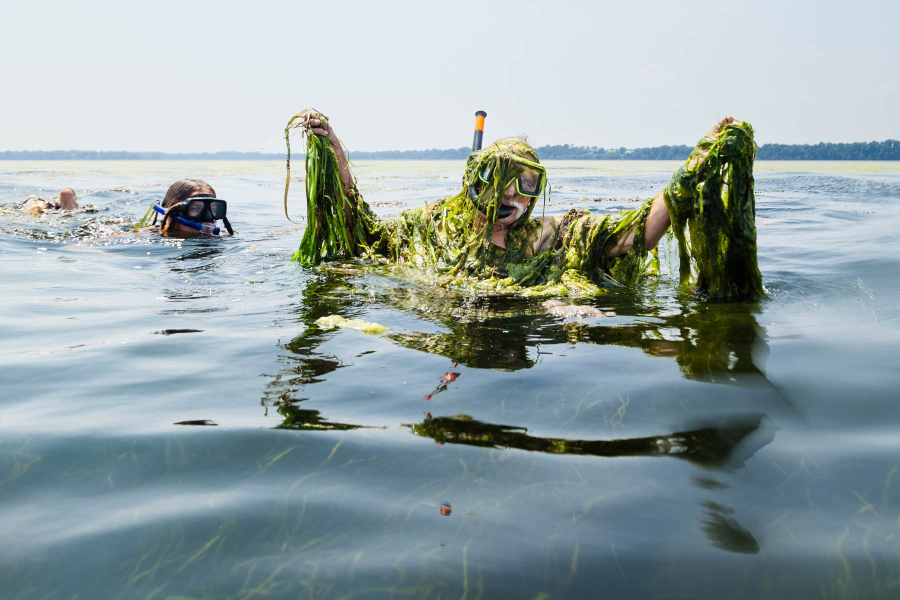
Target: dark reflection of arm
709, 342
713, 446
305, 419
303, 363
198, 258
726, 533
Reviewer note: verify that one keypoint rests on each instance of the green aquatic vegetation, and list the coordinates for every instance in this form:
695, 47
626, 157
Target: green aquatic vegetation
17, 463
145, 221
451, 239
713, 210
710, 202
326, 233
339, 322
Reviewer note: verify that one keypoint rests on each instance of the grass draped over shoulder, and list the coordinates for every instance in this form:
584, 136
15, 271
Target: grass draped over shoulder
711, 206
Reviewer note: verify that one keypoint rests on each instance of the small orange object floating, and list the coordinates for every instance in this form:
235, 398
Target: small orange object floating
445, 509
449, 377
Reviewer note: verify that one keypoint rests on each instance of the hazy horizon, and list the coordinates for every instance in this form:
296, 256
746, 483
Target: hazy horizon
190, 77
298, 148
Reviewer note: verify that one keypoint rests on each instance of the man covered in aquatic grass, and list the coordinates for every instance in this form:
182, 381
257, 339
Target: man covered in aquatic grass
485, 237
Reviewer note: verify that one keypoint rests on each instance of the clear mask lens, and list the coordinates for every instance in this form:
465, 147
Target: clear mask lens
530, 183
205, 209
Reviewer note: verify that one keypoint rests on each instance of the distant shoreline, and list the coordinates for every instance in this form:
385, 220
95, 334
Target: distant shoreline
886, 150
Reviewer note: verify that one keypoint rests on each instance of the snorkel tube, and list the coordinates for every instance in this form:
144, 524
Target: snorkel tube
201, 227
479, 130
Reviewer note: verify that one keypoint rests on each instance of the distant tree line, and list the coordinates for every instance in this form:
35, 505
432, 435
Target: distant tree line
567, 152
122, 155
435, 154
886, 150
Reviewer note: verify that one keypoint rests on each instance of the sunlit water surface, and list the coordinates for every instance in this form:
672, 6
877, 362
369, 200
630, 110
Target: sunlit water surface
678, 449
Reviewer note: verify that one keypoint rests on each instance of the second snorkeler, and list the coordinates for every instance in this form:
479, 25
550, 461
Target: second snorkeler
189, 209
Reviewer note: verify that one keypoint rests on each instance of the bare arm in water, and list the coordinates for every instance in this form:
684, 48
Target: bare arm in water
658, 220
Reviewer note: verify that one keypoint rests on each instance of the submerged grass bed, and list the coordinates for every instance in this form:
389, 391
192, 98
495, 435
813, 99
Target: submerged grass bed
710, 201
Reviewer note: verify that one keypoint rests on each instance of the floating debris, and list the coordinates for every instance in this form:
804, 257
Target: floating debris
287, 230
339, 322
445, 380
445, 509
201, 422
174, 331
558, 308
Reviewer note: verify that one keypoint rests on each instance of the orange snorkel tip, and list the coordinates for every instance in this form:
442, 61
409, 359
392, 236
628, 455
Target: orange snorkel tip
479, 130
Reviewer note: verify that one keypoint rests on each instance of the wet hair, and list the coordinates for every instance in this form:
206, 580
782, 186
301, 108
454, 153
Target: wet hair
182, 190
60, 203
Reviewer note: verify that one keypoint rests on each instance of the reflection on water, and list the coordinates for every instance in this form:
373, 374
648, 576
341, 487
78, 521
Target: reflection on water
172, 406
299, 418
726, 533
198, 259
712, 447
710, 342
497, 332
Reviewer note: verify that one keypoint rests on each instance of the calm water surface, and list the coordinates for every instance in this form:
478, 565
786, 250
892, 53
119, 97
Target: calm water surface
679, 449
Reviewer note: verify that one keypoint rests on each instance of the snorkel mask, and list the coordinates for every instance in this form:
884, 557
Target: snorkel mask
197, 212
490, 171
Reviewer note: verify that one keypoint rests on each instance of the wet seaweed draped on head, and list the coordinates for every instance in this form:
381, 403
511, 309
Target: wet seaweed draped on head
491, 170
710, 202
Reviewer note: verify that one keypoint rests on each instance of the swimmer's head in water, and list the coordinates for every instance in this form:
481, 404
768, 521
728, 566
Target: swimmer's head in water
67, 199
177, 198
505, 179
182, 190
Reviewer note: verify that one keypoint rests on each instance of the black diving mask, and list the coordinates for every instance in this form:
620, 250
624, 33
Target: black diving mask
203, 208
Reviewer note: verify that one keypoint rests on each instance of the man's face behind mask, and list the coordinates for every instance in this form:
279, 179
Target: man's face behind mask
504, 180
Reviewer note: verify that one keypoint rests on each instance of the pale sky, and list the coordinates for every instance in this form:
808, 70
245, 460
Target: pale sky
202, 77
